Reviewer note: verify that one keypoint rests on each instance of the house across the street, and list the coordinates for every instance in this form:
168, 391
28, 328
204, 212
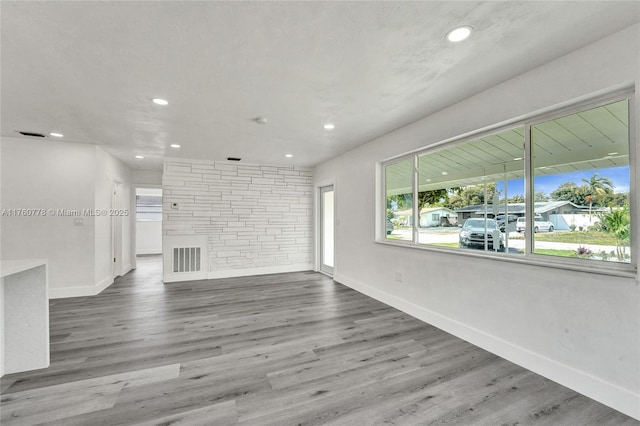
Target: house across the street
437, 216
563, 214
429, 217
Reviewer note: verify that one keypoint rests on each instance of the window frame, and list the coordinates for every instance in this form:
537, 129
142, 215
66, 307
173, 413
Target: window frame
391, 162
529, 257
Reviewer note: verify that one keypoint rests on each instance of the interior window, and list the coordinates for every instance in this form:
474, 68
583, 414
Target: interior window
149, 208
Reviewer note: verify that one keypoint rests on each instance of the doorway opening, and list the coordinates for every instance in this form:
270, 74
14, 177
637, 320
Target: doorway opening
148, 221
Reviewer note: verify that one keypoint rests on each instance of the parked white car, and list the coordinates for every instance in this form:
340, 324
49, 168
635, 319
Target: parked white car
473, 235
538, 224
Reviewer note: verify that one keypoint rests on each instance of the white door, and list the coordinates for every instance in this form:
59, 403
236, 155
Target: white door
326, 229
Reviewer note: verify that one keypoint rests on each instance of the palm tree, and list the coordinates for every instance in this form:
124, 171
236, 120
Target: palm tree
618, 222
598, 186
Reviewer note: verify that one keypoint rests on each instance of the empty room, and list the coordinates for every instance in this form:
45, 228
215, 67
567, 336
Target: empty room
319, 213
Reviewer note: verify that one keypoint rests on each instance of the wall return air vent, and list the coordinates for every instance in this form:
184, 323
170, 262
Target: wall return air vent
186, 259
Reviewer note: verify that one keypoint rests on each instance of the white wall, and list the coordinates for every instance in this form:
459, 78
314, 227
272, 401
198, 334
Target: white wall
2, 326
50, 175
580, 329
564, 221
68, 176
146, 177
257, 218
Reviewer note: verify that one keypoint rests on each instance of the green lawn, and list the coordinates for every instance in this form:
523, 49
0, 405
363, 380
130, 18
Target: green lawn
444, 244
590, 237
551, 252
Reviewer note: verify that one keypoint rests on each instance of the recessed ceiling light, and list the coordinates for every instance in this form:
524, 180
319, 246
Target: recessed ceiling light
139, 157
56, 135
289, 155
261, 120
329, 126
174, 145
459, 34
517, 159
612, 153
444, 173
159, 101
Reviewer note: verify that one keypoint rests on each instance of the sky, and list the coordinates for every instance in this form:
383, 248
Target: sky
548, 183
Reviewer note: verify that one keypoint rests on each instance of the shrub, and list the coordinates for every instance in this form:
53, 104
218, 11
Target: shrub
583, 252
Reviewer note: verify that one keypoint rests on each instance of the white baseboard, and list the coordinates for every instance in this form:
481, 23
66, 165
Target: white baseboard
229, 273
79, 291
127, 268
184, 276
64, 292
148, 251
604, 392
100, 286
244, 272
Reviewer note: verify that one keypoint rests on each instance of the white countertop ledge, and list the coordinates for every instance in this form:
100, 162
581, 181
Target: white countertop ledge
10, 267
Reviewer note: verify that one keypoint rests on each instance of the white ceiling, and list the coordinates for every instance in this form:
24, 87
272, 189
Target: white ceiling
90, 69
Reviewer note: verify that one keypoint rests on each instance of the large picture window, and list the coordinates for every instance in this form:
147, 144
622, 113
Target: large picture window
581, 164
557, 186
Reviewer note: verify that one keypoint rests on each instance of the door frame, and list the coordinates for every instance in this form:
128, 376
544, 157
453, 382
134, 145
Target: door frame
117, 252
319, 227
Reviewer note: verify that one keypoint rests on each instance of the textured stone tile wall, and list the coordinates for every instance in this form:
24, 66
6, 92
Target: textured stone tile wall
255, 216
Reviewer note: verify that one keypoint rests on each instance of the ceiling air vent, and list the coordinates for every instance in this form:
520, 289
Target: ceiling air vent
233, 158
33, 134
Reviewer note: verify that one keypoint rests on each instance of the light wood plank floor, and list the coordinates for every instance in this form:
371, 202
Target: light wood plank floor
287, 349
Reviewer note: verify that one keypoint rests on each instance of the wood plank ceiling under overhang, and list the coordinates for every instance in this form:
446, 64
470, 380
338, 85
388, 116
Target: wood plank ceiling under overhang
582, 141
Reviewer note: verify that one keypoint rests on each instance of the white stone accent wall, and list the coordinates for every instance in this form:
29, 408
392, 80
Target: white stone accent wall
258, 219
